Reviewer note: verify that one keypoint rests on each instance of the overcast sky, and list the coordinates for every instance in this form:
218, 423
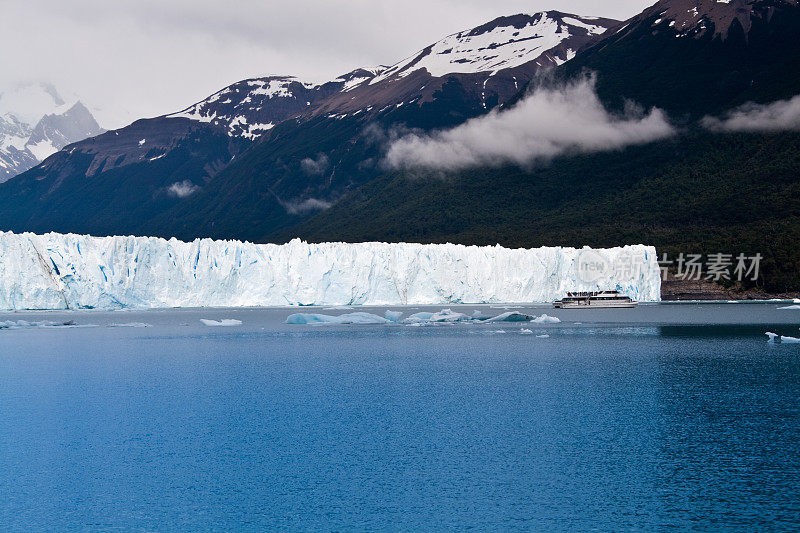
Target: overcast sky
138, 58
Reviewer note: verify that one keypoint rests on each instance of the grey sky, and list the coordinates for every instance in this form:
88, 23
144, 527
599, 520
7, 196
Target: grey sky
136, 58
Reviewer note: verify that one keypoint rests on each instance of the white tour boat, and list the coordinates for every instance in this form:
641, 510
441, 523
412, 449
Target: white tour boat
594, 300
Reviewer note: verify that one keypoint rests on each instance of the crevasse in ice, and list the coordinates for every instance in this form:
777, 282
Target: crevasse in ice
57, 271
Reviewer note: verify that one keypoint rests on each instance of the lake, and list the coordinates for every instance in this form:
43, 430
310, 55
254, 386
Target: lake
666, 416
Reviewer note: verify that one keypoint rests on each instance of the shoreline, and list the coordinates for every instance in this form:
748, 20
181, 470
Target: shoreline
675, 290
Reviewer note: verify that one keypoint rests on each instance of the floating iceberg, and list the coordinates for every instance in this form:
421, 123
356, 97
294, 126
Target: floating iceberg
393, 316
790, 307
774, 337
58, 271
511, 316
445, 316
349, 318
546, 319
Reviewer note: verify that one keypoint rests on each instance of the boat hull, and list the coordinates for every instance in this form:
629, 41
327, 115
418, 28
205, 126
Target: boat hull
595, 305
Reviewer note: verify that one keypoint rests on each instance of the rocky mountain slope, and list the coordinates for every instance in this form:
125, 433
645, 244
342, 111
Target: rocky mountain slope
698, 57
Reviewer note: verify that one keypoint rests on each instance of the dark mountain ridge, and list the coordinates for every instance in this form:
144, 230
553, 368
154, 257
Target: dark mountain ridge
697, 57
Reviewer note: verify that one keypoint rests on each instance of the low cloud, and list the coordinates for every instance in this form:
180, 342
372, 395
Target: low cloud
316, 166
545, 124
182, 189
310, 204
777, 116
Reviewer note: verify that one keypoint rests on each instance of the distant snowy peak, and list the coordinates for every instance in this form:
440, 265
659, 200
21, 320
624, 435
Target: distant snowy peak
55, 131
504, 43
694, 18
13, 156
23, 145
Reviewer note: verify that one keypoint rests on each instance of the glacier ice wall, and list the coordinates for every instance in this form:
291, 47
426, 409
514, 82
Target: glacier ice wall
57, 271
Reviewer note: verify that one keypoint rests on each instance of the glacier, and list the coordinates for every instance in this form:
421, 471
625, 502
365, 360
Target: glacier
67, 271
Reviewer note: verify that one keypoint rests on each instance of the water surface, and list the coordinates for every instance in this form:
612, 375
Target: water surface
665, 416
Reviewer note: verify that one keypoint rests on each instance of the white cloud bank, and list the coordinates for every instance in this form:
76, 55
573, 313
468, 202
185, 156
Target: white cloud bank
309, 204
547, 123
777, 116
316, 166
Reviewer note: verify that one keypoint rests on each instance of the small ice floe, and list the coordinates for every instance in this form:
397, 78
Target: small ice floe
130, 325
542, 336
790, 307
498, 331
417, 319
510, 316
775, 338
447, 315
546, 319
348, 318
225, 322
393, 316
525, 331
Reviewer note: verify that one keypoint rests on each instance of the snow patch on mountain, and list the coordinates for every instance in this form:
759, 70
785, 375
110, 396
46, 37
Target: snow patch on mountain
43, 149
57, 271
252, 107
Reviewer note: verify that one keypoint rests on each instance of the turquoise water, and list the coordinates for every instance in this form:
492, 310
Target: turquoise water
670, 416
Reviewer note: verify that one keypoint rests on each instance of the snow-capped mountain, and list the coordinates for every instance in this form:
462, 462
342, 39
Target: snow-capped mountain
297, 145
36, 122
14, 156
251, 107
496, 58
548, 37
55, 131
492, 61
